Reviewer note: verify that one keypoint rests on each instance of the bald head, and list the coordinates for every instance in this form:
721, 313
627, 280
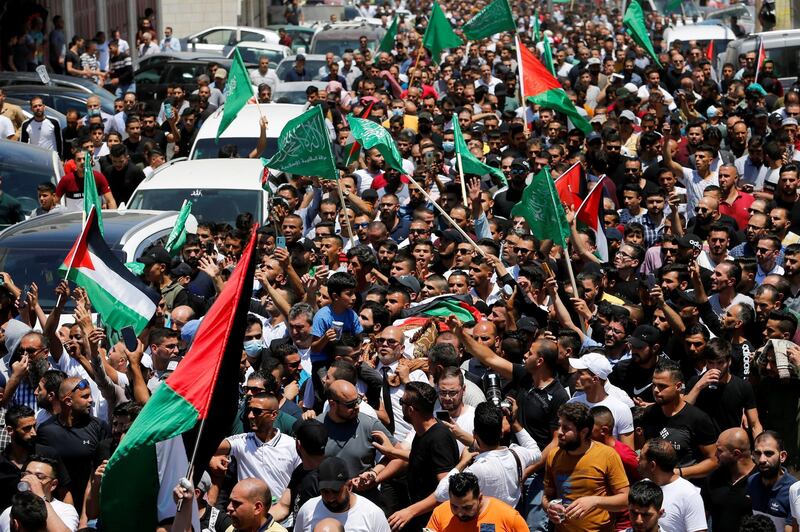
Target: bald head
343, 391
735, 439
394, 333
254, 490
329, 524
485, 328
181, 314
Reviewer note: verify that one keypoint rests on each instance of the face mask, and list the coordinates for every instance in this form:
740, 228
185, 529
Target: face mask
167, 321
252, 347
398, 112
448, 146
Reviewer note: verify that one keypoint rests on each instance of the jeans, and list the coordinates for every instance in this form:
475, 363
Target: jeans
122, 89
532, 509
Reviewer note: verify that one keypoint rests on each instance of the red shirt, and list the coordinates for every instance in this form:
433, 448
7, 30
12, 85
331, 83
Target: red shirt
738, 208
630, 462
71, 188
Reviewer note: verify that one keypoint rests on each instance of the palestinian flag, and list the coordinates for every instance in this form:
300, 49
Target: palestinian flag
445, 305
710, 51
119, 296
761, 56
193, 409
540, 87
569, 186
351, 145
589, 213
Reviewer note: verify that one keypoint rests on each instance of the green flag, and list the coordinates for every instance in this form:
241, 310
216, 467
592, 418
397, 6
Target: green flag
304, 147
542, 209
672, 6
494, 18
90, 196
634, 23
371, 135
238, 90
439, 34
547, 56
177, 238
536, 31
469, 163
387, 43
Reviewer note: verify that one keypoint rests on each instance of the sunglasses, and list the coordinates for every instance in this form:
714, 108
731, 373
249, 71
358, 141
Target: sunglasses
386, 341
350, 404
259, 411
255, 389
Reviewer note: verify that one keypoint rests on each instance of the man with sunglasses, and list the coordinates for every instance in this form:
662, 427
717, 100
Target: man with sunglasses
264, 453
505, 200
75, 434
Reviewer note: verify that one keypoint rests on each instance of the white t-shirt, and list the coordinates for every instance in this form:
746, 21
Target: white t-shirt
794, 500
363, 516
65, 512
6, 127
401, 426
272, 461
623, 419
695, 185
683, 508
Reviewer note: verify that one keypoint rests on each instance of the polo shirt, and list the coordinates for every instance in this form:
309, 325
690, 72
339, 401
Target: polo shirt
772, 501
737, 209
272, 461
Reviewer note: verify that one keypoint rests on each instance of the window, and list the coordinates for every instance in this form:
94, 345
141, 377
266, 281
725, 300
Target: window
219, 37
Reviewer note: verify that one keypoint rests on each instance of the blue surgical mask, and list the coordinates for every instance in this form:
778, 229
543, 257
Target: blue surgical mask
398, 112
252, 347
448, 146
167, 321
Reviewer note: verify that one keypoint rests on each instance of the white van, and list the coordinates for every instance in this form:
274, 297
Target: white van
244, 130
781, 46
701, 34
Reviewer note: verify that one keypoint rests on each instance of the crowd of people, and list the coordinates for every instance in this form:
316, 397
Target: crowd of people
658, 390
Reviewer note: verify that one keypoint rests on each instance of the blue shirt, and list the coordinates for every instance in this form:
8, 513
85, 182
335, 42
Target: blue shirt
772, 501
323, 320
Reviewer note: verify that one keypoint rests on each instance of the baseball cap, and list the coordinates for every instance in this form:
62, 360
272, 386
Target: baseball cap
622, 93
593, 61
181, 270
528, 325
690, 241
220, 73
205, 483
155, 255
685, 297
791, 121
594, 362
760, 112
643, 336
406, 281
628, 115
592, 137
332, 473
312, 435
520, 162
612, 233
300, 57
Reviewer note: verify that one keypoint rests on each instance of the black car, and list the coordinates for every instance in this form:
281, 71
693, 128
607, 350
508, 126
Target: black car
62, 99
31, 78
23, 167
152, 80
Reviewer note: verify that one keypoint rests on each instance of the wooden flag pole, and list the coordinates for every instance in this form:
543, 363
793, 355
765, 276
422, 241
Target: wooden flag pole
446, 216
414, 73
461, 176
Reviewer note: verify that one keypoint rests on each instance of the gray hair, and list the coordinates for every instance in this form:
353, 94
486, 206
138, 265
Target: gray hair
299, 309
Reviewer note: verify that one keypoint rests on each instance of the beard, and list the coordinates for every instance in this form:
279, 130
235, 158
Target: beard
569, 445
337, 507
770, 472
36, 371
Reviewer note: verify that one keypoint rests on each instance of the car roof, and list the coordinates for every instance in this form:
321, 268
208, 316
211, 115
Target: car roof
335, 32
59, 229
47, 89
292, 86
262, 45
287, 27
209, 55
239, 174
246, 123
309, 57
60, 80
240, 28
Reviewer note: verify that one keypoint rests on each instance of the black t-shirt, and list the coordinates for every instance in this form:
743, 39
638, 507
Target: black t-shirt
634, 379
136, 150
725, 404
303, 485
158, 137
78, 447
505, 201
123, 182
538, 408
10, 474
433, 452
687, 430
72, 57
727, 504
221, 524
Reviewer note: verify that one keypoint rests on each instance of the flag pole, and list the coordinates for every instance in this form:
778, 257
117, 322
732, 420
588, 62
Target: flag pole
414, 73
81, 238
446, 216
346, 219
461, 176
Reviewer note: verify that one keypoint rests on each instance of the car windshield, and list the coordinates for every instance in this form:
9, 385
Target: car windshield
209, 149
298, 97
40, 266
337, 46
312, 66
252, 55
208, 204
21, 175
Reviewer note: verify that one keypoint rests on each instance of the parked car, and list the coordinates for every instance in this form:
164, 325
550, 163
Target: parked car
313, 64
23, 167
702, 34
337, 38
83, 84
781, 46
221, 38
301, 35
62, 99
219, 189
744, 14
34, 249
251, 52
295, 91
48, 111
158, 60
152, 83
244, 130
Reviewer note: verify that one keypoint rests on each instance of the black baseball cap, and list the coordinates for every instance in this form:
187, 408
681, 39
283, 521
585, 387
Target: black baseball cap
312, 435
155, 255
643, 336
690, 241
333, 473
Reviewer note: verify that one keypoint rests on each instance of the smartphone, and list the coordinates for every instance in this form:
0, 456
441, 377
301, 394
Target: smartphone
547, 271
651, 280
23, 296
280, 242
428, 157
168, 110
444, 415
129, 338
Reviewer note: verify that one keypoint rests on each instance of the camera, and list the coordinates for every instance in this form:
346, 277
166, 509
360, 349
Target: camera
491, 384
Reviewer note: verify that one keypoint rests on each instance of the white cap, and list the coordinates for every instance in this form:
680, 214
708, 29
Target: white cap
595, 362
